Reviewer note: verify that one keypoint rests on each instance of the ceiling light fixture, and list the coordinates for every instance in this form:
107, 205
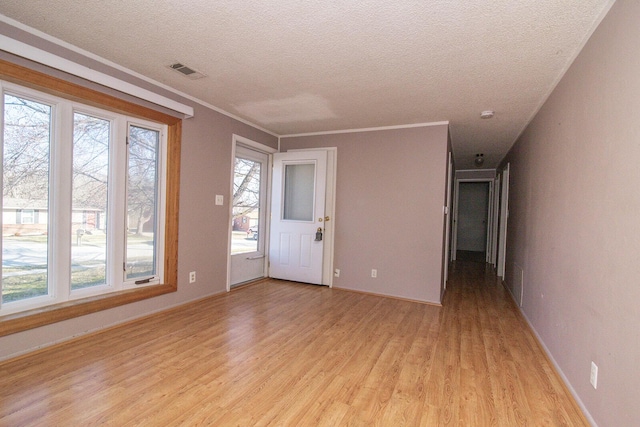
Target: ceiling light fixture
487, 114
479, 160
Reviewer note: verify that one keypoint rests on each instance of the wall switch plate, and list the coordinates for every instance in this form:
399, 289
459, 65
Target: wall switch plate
374, 273
594, 375
192, 277
336, 273
219, 200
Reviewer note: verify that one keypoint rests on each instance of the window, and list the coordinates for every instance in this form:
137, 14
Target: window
26, 147
89, 189
89, 194
142, 202
26, 216
33, 259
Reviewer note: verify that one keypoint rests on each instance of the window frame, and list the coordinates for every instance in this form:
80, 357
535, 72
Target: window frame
28, 319
159, 216
115, 134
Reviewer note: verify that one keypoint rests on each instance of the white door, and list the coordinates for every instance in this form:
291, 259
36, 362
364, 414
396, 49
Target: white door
494, 225
297, 216
504, 217
247, 260
489, 245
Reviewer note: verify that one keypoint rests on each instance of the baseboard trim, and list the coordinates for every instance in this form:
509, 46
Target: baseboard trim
249, 283
435, 304
588, 419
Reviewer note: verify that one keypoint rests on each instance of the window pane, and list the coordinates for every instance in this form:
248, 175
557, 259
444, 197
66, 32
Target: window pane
91, 137
25, 198
142, 195
246, 206
298, 192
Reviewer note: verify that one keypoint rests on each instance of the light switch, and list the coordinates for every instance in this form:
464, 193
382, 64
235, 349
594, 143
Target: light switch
219, 199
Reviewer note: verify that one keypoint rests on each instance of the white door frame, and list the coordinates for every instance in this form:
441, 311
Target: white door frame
454, 238
448, 212
504, 218
488, 249
330, 209
237, 139
494, 229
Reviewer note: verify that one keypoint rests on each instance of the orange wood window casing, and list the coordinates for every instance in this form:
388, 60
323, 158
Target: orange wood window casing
34, 318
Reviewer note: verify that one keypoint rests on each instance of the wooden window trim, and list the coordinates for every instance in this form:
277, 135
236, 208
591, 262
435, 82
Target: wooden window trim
29, 319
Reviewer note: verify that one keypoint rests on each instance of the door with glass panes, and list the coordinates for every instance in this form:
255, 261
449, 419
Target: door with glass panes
248, 215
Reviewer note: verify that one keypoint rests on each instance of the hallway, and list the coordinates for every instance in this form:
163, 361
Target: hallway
502, 375
281, 353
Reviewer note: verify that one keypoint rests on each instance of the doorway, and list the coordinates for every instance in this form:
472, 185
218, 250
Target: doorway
302, 218
251, 248
472, 220
249, 206
298, 215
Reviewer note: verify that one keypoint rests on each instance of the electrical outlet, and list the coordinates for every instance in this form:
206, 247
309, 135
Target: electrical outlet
192, 277
374, 273
336, 273
219, 200
594, 375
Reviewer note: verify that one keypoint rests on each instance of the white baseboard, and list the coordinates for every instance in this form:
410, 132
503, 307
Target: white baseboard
542, 345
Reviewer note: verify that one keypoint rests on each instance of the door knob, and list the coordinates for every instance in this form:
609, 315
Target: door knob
326, 218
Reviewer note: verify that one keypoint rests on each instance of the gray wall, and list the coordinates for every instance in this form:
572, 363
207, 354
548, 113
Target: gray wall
574, 223
390, 193
203, 226
399, 185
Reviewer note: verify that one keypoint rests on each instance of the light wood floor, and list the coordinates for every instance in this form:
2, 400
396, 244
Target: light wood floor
280, 353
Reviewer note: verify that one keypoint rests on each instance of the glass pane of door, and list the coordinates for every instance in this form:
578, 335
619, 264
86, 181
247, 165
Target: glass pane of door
246, 205
142, 202
299, 190
91, 138
25, 198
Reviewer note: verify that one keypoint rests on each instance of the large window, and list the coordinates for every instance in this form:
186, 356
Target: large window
83, 201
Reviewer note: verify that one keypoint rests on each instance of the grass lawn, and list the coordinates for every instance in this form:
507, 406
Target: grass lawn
28, 281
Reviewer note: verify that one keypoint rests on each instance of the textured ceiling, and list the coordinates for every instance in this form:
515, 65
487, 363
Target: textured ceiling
294, 66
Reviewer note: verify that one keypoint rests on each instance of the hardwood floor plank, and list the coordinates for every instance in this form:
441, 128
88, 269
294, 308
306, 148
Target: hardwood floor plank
281, 353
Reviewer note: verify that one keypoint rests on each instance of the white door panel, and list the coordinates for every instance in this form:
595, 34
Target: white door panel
298, 210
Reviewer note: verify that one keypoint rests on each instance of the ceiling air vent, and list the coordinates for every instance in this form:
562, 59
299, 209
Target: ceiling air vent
186, 71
